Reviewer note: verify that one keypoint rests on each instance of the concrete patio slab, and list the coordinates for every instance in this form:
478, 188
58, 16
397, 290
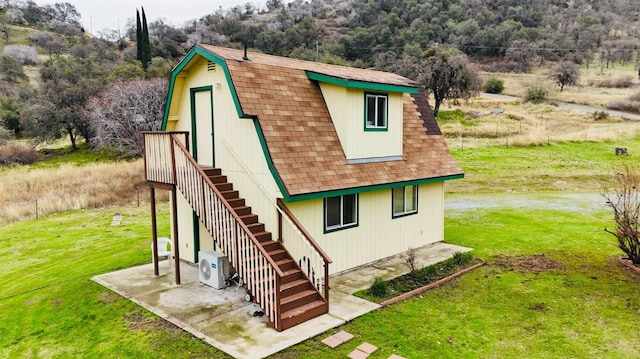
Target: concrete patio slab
222, 318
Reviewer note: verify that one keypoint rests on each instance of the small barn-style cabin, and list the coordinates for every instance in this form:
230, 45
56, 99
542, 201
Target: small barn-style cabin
296, 170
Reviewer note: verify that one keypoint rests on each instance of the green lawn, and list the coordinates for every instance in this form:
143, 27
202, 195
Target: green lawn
551, 289
49, 307
571, 166
551, 286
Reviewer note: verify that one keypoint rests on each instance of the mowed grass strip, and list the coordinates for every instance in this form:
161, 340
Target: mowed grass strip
567, 166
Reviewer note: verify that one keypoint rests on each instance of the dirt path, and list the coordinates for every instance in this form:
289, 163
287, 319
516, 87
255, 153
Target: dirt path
571, 106
568, 201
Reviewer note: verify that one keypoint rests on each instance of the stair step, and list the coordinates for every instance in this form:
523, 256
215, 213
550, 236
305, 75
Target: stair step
294, 286
278, 254
286, 264
218, 179
256, 228
303, 313
291, 275
302, 309
236, 202
249, 218
298, 299
230, 194
210, 171
264, 236
270, 245
242, 210
224, 186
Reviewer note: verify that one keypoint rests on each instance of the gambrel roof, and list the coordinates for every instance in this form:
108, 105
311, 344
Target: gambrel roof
298, 136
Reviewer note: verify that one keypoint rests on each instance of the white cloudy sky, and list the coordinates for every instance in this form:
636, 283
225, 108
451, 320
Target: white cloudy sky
101, 14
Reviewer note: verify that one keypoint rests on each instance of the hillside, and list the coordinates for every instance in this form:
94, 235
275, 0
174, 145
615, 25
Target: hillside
48, 53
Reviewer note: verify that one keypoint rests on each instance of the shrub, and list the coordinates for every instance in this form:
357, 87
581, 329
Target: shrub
379, 288
625, 82
431, 270
462, 258
631, 103
600, 116
494, 85
623, 197
536, 94
15, 154
409, 258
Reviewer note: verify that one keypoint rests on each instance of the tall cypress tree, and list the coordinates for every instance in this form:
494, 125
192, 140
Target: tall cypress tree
138, 36
146, 47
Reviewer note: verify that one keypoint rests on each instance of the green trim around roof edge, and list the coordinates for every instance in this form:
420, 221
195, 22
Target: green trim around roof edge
340, 192
267, 157
196, 50
371, 86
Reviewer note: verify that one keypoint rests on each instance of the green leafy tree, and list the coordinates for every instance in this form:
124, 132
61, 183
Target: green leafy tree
10, 115
143, 47
146, 46
11, 69
138, 36
59, 108
446, 74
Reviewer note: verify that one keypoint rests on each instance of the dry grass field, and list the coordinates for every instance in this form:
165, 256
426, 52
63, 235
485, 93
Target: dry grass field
587, 92
524, 124
27, 192
516, 123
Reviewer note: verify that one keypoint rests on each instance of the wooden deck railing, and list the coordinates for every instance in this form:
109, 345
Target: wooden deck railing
167, 160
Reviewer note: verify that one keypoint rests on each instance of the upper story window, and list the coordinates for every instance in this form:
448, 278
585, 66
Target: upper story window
376, 112
405, 200
340, 212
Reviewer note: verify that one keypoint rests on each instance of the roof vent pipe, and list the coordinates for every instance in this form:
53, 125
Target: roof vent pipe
245, 58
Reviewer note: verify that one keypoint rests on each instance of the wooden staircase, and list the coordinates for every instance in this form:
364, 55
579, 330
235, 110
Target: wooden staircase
299, 299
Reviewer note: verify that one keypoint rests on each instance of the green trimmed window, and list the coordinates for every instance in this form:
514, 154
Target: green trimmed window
376, 112
405, 200
340, 212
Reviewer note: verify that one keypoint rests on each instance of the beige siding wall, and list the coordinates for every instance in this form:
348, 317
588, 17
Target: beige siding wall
378, 235
236, 145
186, 232
346, 107
186, 238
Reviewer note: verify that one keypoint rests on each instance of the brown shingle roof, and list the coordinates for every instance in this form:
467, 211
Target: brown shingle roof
300, 135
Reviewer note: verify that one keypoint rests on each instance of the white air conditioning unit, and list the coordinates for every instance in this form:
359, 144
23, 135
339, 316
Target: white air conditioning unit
213, 268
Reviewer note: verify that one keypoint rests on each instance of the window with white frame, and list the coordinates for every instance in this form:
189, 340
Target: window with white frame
375, 111
340, 212
405, 200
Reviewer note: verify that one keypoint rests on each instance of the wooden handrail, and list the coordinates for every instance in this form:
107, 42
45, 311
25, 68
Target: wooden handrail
304, 232
235, 216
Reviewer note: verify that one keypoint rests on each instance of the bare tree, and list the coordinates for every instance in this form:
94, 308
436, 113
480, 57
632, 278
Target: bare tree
567, 73
123, 110
521, 53
25, 54
623, 197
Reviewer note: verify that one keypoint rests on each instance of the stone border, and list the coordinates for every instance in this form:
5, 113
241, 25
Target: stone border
432, 285
629, 264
